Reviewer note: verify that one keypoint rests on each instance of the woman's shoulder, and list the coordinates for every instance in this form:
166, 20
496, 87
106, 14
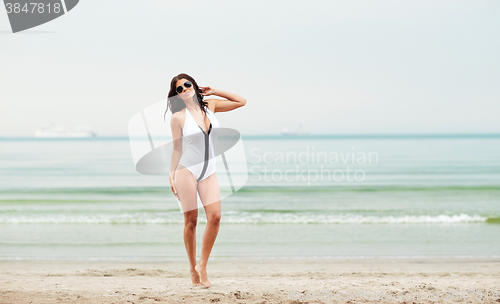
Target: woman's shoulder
178, 116
179, 113
211, 104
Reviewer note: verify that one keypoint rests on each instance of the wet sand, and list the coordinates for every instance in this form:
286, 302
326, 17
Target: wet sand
251, 281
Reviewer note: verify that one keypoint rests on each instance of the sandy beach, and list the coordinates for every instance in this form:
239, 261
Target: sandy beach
251, 281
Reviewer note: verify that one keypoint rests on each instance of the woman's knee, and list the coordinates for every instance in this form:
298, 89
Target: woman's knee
214, 217
191, 219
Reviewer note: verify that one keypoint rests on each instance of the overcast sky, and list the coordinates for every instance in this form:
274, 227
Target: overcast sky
333, 66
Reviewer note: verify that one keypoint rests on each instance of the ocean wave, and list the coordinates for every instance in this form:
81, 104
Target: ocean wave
248, 189
248, 218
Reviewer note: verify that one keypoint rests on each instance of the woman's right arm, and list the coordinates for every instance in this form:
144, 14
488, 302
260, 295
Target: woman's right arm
177, 150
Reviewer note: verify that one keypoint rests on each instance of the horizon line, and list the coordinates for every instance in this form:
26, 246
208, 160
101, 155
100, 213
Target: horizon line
283, 136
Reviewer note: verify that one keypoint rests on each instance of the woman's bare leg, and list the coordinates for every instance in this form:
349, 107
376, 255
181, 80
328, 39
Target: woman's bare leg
210, 196
190, 221
185, 184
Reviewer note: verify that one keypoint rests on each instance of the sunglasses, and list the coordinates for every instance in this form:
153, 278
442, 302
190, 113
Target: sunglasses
187, 84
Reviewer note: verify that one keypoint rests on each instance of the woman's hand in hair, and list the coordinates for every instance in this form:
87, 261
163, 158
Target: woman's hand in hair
207, 91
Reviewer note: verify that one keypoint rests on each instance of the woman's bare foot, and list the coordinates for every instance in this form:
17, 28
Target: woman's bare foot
202, 271
195, 277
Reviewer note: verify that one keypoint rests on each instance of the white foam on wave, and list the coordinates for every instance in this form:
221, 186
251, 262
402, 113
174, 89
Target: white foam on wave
243, 218
354, 219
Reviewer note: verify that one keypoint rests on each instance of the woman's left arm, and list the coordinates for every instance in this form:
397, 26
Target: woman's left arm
231, 102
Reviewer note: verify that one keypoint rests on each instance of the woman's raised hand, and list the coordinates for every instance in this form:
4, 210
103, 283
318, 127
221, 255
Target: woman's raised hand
207, 91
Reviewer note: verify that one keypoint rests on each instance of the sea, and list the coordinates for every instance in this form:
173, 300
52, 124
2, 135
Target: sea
303, 197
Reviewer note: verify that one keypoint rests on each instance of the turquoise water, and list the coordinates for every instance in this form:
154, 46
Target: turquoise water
414, 197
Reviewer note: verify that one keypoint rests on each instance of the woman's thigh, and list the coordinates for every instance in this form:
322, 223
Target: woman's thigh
209, 191
186, 185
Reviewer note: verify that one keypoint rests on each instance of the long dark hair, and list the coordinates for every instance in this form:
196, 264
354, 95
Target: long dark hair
177, 104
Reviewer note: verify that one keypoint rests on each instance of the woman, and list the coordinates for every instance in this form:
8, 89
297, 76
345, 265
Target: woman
194, 170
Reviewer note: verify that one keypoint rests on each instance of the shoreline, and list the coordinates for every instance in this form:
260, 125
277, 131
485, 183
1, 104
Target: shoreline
243, 280
442, 259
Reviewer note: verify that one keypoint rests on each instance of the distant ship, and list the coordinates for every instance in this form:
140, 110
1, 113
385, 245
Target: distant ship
56, 131
299, 131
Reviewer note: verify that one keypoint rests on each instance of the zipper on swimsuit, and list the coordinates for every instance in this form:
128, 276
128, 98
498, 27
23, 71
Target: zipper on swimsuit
205, 165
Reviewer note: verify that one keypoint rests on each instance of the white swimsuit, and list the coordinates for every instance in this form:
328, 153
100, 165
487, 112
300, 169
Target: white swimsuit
198, 154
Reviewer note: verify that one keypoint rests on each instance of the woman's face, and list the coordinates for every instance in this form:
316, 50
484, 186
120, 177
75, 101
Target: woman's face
186, 92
